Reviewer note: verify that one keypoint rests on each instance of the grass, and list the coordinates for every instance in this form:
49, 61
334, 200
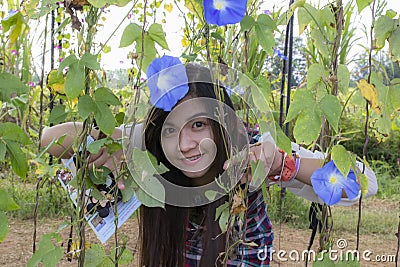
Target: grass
53, 200
378, 216
380, 213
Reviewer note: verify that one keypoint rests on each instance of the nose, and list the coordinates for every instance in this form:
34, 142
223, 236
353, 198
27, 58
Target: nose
186, 140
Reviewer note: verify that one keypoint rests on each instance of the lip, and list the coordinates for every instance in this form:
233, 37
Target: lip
187, 161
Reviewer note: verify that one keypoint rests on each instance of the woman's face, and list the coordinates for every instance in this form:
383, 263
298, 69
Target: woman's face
187, 138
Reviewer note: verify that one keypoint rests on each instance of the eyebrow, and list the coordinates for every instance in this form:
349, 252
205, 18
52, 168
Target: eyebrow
195, 116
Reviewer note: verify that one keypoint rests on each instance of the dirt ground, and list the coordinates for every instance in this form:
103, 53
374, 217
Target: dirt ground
16, 249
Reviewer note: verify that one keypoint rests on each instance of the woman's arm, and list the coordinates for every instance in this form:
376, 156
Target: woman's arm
267, 152
71, 130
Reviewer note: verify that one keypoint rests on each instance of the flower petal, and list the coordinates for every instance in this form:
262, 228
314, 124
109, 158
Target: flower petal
223, 12
167, 81
328, 183
350, 185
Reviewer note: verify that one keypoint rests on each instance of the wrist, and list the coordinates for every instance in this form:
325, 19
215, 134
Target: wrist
277, 163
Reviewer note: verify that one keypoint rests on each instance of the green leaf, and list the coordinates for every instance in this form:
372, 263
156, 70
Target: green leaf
307, 127
343, 76
195, 7
282, 141
106, 96
383, 28
90, 61
47, 253
305, 16
361, 4
220, 209
148, 200
94, 256
120, 3
95, 146
247, 23
331, 108
18, 159
151, 191
394, 44
86, 106
264, 86
104, 118
217, 36
7, 203
132, 33
98, 3
302, 99
2, 151
391, 13
125, 258
265, 34
130, 188
259, 100
266, 22
316, 74
223, 220
4, 226
321, 43
258, 172
342, 159
211, 195
156, 33
58, 114
99, 175
75, 80
323, 260
11, 132
348, 261
150, 52
71, 59
10, 84
394, 94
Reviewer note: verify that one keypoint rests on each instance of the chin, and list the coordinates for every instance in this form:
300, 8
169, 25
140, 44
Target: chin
197, 174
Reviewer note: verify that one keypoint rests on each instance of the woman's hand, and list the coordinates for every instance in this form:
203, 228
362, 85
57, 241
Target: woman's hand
112, 162
266, 152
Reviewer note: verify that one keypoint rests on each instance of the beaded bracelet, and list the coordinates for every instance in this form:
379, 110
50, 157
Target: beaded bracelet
290, 167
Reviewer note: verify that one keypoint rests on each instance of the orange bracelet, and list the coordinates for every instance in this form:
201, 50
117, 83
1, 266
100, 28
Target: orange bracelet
290, 167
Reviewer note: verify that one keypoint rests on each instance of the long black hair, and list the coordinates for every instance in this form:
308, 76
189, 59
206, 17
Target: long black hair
164, 231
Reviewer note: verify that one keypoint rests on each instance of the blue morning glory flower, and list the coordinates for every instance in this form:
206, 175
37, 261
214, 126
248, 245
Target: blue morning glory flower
328, 183
278, 53
167, 81
223, 12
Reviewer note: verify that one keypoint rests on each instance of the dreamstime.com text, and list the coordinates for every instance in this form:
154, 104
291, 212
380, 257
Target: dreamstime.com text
340, 254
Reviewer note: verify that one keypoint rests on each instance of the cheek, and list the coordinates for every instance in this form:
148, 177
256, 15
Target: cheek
169, 146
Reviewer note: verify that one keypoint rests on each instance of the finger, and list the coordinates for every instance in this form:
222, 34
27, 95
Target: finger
267, 154
100, 161
121, 184
93, 157
238, 160
246, 177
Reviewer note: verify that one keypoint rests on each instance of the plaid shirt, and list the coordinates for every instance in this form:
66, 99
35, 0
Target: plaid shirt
258, 231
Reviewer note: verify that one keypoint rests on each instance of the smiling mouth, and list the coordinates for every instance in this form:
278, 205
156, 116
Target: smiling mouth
193, 158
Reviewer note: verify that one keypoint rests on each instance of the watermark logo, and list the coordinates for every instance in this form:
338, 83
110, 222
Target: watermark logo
340, 254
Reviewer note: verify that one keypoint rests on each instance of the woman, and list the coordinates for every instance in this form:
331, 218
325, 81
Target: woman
196, 143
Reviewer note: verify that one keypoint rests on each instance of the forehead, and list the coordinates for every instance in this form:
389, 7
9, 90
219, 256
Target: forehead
189, 109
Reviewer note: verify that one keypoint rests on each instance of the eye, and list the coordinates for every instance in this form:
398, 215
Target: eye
168, 131
199, 124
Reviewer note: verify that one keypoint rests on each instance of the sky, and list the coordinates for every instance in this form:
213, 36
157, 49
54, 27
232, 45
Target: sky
116, 59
